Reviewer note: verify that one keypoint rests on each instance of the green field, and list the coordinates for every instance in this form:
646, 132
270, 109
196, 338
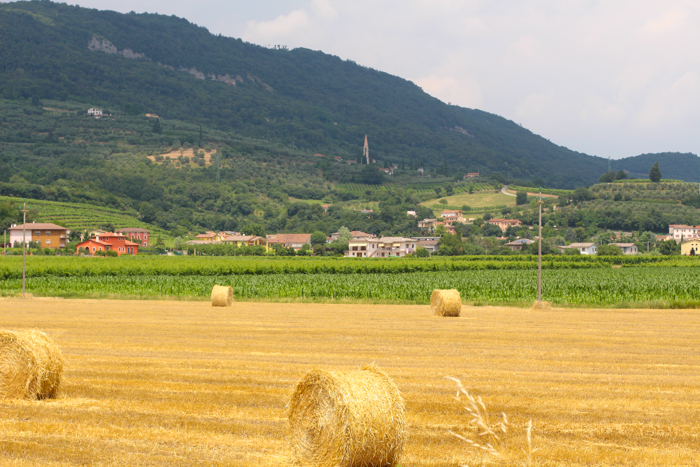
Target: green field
573, 281
475, 200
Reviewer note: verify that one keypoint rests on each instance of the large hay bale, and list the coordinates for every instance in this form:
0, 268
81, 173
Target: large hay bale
30, 365
446, 302
221, 296
347, 419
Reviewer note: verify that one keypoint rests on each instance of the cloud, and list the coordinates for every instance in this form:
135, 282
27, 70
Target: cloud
279, 28
452, 90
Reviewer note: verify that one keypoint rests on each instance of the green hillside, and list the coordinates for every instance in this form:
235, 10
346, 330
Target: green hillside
138, 63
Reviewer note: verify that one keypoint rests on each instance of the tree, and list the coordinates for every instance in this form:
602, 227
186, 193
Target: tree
318, 238
669, 247
609, 250
156, 126
491, 230
344, 235
253, 229
371, 175
655, 173
607, 177
521, 198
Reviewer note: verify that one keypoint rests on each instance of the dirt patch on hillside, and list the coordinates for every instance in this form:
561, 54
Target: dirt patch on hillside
174, 155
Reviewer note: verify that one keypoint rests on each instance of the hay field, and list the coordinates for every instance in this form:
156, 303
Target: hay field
475, 200
185, 383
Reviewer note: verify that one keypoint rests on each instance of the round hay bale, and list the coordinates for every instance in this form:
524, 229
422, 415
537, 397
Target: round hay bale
446, 302
221, 295
540, 306
347, 419
30, 365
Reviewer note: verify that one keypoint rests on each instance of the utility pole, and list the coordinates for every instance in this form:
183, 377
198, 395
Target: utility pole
24, 249
539, 257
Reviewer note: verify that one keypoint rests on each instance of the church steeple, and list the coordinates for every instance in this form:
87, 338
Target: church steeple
365, 151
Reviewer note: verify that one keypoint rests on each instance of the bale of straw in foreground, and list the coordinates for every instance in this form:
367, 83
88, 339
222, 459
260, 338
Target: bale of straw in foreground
446, 302
30, 365
347, 419
221, 296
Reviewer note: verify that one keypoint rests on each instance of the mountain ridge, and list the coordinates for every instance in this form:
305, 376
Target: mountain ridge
140, 63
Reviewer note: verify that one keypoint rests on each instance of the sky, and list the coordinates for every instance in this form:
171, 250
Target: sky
612, 78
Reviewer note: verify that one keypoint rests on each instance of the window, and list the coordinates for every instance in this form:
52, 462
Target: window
93, 249
48, 242
37, 233
48, 232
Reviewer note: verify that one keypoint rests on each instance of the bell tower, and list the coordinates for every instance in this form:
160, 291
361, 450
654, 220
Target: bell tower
365, 151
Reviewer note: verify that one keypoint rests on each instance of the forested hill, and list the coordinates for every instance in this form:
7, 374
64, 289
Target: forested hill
674, 165
139, 63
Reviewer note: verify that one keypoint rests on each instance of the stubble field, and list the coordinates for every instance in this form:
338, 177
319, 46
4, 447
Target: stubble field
182, 383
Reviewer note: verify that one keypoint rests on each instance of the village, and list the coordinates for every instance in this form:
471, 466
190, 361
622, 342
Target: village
353, 244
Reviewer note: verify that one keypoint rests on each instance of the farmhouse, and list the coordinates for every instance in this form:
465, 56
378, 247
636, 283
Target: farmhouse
428, 224
116, 242
136, 235
627, 248
246, 240
48, 235
517, 245
381, 247
210, 237
680, 232
690, 247
584, 248
505, 223
455, 216
97, 113
295, 241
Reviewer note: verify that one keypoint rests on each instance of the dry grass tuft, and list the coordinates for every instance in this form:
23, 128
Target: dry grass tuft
221, 296
348, 419
540, 305
30, 365
446, 302
487, 436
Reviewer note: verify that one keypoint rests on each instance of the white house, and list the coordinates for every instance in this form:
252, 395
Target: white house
381, 247
681, 232
97, 113
585, 248
627, 248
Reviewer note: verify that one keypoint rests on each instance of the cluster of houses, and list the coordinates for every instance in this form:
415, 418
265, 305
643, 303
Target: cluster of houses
123, 242
362, 245
449, 217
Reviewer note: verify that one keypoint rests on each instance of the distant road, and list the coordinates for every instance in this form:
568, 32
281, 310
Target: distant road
505, 192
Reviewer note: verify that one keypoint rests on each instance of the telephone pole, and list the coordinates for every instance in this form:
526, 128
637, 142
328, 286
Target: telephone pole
539, 257
24, 249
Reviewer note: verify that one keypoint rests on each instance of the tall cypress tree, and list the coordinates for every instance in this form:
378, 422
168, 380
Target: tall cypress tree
655, 173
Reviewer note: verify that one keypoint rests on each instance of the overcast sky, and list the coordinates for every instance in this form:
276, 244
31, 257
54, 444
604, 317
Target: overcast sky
606, 77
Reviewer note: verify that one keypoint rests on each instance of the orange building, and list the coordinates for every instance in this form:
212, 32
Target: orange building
110, 242
135, 234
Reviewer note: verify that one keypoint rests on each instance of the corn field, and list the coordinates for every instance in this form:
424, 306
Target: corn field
590, 287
